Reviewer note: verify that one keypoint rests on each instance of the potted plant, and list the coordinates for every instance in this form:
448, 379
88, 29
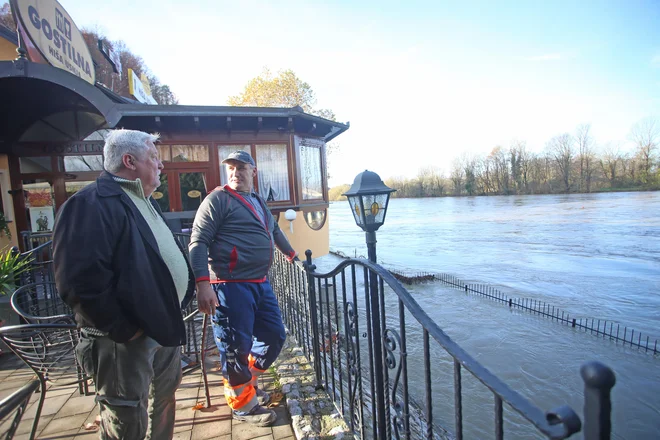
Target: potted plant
12, 265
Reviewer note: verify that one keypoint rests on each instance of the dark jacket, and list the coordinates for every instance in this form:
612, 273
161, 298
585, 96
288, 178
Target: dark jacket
235, 241
109, 270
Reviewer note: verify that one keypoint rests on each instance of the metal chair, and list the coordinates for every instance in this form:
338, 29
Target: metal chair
49, 350
39, 303
12, 409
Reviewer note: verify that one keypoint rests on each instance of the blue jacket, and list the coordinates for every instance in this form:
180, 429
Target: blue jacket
109, 270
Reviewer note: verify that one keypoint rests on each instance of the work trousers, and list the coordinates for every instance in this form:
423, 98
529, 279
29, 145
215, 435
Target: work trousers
128, 377
249, 333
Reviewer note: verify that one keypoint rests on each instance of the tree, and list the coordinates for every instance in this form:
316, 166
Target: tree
561, 149
609, 162
283, 90
105, 74
6, 19
585, 156
646, 135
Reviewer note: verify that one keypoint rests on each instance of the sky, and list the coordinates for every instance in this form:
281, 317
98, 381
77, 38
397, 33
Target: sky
421, 83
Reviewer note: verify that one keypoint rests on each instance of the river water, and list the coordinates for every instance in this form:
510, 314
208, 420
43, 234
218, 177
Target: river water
592, 255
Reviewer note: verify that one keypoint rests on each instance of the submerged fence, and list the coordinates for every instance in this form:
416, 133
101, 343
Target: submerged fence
380, 357
599, 327
594, 326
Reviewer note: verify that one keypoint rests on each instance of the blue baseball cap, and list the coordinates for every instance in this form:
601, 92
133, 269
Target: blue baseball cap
240, 156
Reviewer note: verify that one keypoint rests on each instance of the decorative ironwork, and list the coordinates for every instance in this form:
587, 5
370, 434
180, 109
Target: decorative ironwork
371, 343
392, 341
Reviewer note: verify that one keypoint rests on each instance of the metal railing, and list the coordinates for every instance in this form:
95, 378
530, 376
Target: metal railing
612, 331
370, 343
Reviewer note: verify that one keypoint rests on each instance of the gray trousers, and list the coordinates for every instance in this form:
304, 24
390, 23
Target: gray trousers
128, 377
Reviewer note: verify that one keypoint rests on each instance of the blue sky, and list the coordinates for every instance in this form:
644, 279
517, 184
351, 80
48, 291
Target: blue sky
421, 82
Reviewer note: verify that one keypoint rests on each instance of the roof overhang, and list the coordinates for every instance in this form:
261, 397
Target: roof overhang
187, 117
45, 103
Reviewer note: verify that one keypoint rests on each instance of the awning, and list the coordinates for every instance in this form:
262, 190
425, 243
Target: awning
42, 103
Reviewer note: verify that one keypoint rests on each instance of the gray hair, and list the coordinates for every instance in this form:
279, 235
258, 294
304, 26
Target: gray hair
120, 142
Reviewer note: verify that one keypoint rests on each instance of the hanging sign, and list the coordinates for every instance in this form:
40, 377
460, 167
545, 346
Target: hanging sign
51, 34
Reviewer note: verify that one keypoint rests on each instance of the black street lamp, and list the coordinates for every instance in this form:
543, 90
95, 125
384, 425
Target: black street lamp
368, 197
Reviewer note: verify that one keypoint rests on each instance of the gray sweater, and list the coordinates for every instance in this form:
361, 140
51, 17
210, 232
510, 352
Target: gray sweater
230, 236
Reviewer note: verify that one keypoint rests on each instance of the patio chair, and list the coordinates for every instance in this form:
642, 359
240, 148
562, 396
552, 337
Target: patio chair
39, 303
49, 350
13, 407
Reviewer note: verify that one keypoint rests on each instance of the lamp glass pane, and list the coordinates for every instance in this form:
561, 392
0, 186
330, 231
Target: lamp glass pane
374, 207
354, 201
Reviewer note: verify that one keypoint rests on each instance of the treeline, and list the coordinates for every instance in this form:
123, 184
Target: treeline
569, 163
104, 73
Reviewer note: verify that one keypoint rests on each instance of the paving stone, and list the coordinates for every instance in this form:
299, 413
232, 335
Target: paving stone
182, 435
76, 405
212, 422
63, 424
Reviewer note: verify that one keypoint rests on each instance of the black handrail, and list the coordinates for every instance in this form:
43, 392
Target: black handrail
332, 343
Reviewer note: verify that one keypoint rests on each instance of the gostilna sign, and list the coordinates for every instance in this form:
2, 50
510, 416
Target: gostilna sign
50, 35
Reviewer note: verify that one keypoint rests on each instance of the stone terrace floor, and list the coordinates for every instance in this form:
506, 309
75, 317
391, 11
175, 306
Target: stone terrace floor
66, 413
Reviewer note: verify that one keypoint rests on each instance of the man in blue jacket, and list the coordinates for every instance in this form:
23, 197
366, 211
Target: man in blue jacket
124, 274
235, 234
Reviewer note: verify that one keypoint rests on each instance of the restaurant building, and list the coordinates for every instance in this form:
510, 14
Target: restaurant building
54, 115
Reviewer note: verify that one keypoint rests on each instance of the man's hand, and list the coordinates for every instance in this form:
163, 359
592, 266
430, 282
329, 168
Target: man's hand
207, 300
136, 335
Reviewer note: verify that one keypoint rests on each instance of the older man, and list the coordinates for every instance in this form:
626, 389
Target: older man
235, 233
119, 267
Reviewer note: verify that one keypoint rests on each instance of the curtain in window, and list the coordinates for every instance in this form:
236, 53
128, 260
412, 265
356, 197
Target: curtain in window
273, 172
311, 173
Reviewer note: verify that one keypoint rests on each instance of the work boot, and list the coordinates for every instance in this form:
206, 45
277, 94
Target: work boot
258, 416
263, 398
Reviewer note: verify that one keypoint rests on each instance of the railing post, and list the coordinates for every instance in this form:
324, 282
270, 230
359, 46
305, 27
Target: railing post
379, 365
311, 296
598, 382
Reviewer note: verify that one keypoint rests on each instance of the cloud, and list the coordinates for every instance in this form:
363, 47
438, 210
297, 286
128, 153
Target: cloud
546, 57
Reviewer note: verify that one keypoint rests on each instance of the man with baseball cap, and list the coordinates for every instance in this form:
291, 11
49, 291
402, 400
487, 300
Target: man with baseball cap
234, 235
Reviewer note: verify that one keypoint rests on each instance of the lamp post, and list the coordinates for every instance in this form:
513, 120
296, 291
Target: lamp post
368, 198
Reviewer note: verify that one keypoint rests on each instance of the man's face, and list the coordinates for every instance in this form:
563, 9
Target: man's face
241, 175
147, 168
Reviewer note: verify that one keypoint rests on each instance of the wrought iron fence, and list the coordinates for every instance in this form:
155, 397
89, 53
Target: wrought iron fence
370, 343
597, 327
594, 326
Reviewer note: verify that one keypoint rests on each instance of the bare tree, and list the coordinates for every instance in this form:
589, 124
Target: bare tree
609, 162
585, 156
646, 135
561, 149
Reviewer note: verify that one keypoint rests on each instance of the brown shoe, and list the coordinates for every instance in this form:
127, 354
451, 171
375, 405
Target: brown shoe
258, 416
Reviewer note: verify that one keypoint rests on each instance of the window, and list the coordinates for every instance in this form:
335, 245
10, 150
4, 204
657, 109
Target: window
273, 172
162, 194
223, 152
190, 153
75, 186
83, 163
183, 153
35, 164
310, 168
193, 190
